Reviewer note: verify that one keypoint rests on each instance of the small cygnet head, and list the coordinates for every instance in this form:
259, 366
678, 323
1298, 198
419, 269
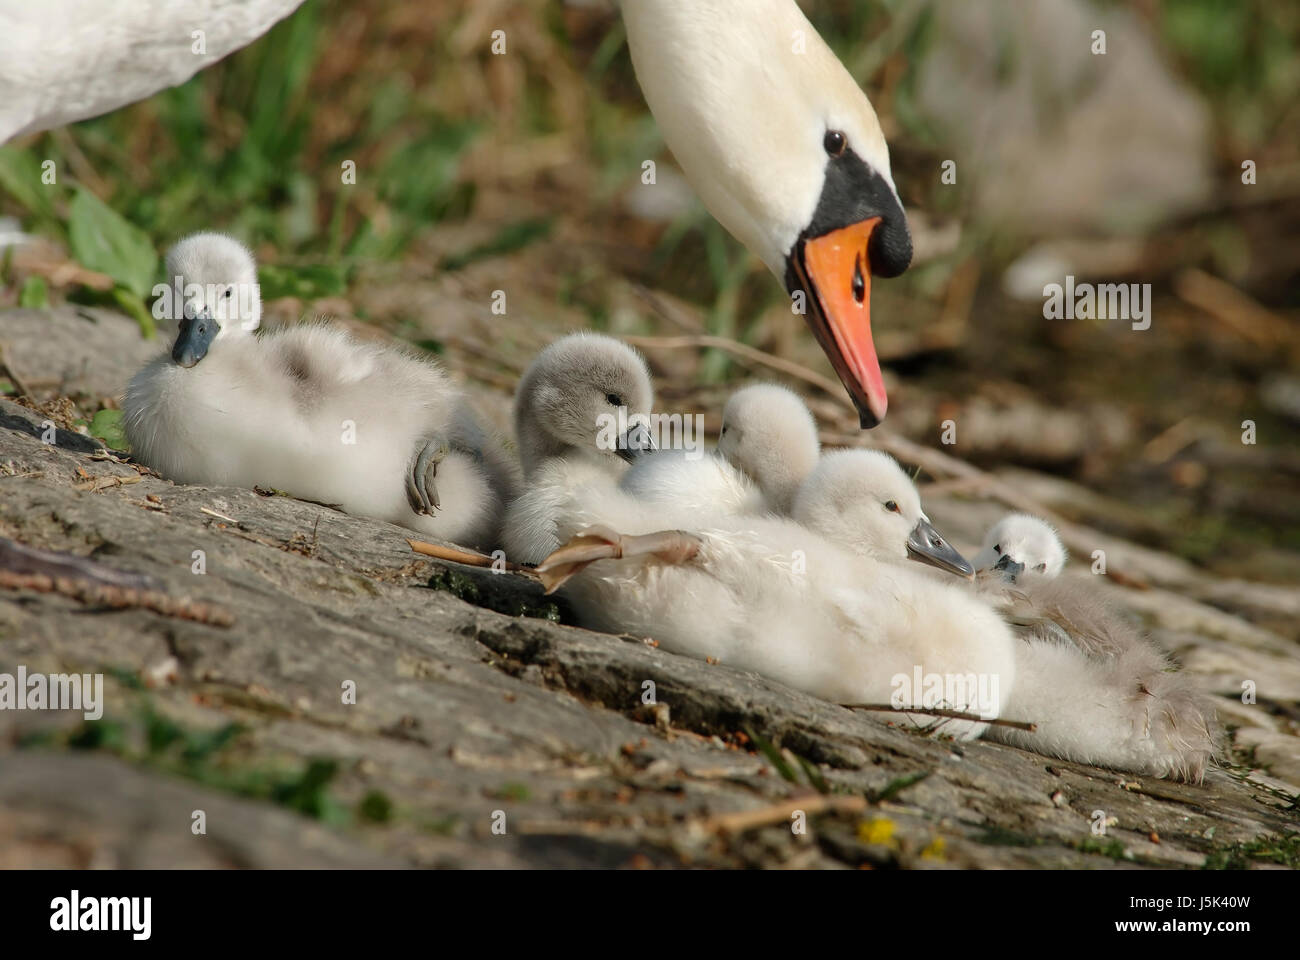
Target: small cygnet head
769, 435
585, 394
1020, 543
215, 293
864, 500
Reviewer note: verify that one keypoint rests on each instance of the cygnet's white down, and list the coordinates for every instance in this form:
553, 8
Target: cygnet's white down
823, 603
1148, 716
1021, 542
310, 411
576, 424
784, 599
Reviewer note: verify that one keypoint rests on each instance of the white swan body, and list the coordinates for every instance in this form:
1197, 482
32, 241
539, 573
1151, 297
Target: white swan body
312, 412
66, 60
1097, 690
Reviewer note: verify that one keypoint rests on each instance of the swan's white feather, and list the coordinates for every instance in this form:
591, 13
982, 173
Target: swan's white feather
66, 60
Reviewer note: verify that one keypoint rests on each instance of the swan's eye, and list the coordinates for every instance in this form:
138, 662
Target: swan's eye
891, 506
614, 399
835, 143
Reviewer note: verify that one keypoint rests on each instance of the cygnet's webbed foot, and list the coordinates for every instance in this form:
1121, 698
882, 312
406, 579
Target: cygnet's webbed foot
601, 543
421, 490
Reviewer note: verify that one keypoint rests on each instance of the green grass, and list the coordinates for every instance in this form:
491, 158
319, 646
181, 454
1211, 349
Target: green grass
238, 148
1107, 848
515, 792
509, 239
897, 786
1281, 849
211, 757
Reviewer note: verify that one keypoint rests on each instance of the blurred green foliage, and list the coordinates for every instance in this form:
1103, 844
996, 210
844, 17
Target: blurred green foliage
1242, 54
237, 148
35, 294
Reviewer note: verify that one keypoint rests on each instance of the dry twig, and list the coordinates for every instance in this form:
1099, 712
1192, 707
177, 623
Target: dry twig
942, 712
781, 812
103, 483
118, 598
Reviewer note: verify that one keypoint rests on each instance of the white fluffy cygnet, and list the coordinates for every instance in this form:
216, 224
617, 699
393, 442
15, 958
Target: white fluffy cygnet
1020, 543
309, 411
767, 445
1128, 706
579, 420
769, 434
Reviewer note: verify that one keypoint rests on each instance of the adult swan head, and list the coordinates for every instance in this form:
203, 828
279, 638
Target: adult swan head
785, 150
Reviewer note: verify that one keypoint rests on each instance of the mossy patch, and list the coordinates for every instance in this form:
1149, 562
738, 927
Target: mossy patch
208, 756
513, 599
1282, 849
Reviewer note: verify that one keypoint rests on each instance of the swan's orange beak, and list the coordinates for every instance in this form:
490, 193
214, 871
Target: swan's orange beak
834, 270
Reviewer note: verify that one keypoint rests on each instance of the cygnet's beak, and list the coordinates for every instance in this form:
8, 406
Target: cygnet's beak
636, 442
1009, 568
195, 336
925, 545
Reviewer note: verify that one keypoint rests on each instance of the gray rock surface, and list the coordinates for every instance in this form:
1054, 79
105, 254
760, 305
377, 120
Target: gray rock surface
470, 716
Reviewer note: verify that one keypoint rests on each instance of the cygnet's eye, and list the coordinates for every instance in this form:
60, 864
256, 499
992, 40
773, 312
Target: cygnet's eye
614, 399
997, 548
835, 143
892, 506
724, 431
1041, 568
229, 292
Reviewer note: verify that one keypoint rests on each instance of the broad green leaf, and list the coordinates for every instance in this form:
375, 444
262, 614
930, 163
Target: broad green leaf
107, 426
103, 240
34, 295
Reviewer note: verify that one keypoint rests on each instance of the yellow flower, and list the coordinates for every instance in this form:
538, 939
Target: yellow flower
879, 830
